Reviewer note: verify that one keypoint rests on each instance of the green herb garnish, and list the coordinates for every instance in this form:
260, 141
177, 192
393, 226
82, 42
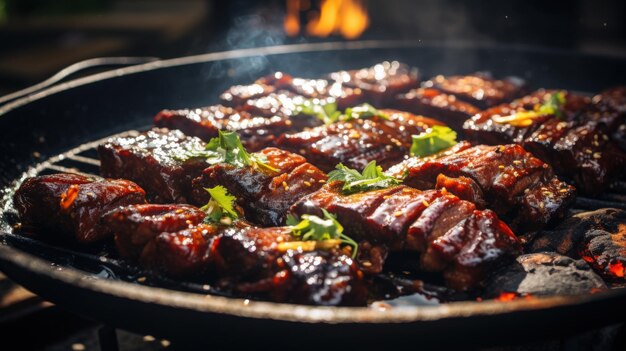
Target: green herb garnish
362, 111
327, 113
552, 105
437, 138
226, 148
314, 228
371, 178
221, 206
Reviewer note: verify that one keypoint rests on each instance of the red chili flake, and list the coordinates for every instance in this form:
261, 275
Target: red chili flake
68, 197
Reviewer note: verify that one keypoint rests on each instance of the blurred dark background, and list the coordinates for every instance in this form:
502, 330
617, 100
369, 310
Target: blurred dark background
40, 37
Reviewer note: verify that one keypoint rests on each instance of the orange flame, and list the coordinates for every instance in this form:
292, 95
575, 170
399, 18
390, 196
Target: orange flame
346, 17
617, 269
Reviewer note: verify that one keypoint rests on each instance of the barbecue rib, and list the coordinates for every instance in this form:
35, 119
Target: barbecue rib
386, 139
135, 225
72, 205
505, 178
436, 104
204, 123
478, 89
250, 260
450, 233
379, 83
264, 194
152, 160
577, 145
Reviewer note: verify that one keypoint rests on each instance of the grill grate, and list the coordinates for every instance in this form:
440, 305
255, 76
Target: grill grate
103, 263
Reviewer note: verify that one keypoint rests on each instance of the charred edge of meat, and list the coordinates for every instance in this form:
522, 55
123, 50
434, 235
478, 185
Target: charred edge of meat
72, 205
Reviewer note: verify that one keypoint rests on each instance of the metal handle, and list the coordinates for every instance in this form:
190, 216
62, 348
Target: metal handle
76, 68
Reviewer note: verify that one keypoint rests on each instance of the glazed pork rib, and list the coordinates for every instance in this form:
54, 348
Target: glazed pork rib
506, 178
577, 144
72, 205
264, 194
386, 139
152, 160
246, 260
451, 235
205, 123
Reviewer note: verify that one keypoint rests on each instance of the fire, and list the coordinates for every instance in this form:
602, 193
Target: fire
346, 17
510, 296
617, 269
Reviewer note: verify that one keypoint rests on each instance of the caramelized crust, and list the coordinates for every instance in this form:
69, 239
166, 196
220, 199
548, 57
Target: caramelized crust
73, 205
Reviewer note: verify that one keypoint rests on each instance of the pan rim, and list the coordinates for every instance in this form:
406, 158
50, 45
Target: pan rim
245, 308
278, 50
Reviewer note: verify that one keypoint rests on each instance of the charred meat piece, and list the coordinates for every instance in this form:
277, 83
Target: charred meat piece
152, 160
73, 205
265, 195
543, 274
582, 152
576, 144
451, 235
136, 225
472, 245
250, 261
182, 253
320, 89
433, 103
483, 127
237, 95
357, 142
284, 104
609, 108
204, 123
506, 178
599, 237
381, 82
479, 89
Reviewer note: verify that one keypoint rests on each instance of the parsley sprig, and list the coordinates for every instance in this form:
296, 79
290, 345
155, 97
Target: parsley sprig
329, 112
221, 206
371, 178
225, 148
433, 140
314, 228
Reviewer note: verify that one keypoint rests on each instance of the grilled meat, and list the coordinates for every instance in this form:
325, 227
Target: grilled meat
182, 253
250, 261
577, 145
379, 83
450, 233
433, 103
357, 142
320, 89
609, 108
73, 205
135, 225
153, 160
265, 195
505, 178
478, 89
599, 237
284, 104
204, 123
237, 95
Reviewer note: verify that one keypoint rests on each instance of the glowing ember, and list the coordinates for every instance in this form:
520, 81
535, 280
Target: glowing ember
346, 17
506, 296
617, 269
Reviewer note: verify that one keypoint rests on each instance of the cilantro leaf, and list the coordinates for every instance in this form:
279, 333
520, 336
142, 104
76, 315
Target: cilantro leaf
314, 228
363, 111
226, 148
553, 105
220, 208
326, 112
432, 141
371, 178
